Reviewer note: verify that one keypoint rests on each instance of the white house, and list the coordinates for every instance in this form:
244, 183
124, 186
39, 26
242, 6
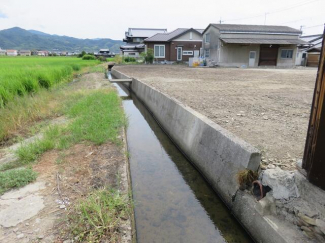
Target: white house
12, 53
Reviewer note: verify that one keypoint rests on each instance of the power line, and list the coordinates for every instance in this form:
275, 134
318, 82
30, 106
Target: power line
293, 21
275, 11
293, 6
312, 26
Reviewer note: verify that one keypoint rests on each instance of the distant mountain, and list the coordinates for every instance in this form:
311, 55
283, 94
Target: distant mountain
21, 39
36, 32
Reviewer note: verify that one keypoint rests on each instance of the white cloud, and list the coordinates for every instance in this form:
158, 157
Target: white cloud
110, 19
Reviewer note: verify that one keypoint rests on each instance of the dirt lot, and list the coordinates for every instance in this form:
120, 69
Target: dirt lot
269, 108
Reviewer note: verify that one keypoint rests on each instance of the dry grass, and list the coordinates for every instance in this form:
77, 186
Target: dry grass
245, 178
26, 110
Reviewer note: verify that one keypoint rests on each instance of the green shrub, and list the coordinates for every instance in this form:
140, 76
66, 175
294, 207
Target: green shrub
88, 57
101, 58
118, 59
82, 54
149, 56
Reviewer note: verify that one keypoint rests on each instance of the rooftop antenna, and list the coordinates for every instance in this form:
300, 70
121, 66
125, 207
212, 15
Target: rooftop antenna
220, 21
301, 27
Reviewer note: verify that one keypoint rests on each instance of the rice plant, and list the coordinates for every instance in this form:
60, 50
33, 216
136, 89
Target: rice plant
27, 75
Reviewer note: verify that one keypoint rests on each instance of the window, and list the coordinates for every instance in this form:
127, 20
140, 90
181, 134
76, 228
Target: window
159, 51
191, 35
207, 38
137, 39
286, 53
252, 54
206, 53
187, 53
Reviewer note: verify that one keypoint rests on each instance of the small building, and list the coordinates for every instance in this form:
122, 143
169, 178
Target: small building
250, 45
134, 38
25, 53
104, 53
12, 53
3, 52
309, 54
42, 53
178, 45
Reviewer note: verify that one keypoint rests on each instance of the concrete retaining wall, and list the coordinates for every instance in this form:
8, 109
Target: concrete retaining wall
219, 155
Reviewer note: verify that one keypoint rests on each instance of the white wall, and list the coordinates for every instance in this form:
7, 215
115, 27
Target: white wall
287, 62
237, 55
186, 37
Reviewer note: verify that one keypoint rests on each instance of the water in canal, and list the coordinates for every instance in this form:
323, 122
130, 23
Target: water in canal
173, 202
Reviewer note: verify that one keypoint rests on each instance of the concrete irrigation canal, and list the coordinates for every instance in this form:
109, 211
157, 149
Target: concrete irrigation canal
173, 202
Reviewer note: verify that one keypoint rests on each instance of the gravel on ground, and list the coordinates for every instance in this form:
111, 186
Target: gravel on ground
268, 108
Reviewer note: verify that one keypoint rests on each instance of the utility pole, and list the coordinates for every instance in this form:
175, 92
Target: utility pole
314, 155
301, 27
265, 18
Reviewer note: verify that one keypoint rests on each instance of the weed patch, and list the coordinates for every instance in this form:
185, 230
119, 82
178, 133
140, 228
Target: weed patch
98, 217
96, 117
16, 178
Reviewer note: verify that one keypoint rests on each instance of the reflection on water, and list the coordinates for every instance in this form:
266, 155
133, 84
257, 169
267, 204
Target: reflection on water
173, 203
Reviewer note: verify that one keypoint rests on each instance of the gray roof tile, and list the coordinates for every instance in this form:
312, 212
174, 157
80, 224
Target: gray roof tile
169, 36
255, 28
263, 41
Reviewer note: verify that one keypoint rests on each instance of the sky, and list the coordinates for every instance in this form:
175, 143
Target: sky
110, 19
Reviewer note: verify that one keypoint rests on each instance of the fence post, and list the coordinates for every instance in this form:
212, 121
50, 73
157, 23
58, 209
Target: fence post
314, 155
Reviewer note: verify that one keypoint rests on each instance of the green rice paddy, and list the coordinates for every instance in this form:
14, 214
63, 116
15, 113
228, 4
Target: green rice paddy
27, 75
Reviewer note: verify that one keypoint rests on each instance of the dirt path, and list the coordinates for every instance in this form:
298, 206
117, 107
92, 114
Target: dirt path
36, 212
269, 108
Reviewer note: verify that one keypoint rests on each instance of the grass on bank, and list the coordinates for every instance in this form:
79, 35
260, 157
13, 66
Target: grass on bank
98, 217
96, 117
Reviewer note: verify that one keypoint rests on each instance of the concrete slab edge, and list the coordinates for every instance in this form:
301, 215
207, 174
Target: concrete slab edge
218, 154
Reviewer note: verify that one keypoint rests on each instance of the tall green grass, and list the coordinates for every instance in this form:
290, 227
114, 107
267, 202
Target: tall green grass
26, 75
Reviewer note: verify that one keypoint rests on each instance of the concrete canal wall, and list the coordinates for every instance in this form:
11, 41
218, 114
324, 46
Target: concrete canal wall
218, 154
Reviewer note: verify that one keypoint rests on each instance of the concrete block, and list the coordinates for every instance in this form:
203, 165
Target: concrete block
266, 206
282, 183
267, 228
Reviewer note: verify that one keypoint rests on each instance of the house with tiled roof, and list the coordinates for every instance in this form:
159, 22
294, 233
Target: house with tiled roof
12, 53
134, 38
250, 45
178, 45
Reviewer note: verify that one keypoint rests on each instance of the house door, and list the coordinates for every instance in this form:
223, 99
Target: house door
268, 55
252, 57
196, 53
179, 53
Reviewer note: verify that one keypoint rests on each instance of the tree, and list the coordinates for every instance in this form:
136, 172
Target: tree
149, 56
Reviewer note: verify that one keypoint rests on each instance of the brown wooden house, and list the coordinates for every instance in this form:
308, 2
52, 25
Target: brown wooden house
176, 46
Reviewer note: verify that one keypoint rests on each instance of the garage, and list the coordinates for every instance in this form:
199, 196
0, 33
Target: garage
268, 55
313, 59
